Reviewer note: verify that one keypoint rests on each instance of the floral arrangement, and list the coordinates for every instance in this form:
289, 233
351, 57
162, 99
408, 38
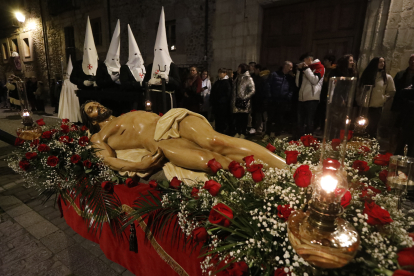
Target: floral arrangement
62, 161
239, 216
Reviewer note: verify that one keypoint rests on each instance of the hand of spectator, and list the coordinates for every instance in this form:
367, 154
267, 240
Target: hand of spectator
300, 65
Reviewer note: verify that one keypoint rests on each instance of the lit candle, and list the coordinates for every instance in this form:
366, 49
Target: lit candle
328, 183
361, 122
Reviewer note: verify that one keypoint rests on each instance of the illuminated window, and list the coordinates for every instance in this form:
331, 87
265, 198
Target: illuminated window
26, 47
4, 51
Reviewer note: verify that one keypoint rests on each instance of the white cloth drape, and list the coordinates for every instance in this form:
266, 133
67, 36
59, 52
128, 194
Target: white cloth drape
69, 103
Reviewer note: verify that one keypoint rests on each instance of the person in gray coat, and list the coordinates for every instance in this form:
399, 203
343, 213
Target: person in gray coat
243, 90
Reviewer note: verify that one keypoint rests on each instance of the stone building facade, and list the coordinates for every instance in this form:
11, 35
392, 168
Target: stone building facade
209, 34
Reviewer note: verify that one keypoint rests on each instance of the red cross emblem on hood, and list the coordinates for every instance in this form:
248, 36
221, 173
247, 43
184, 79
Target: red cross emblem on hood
141, 75
90, 66
156, 72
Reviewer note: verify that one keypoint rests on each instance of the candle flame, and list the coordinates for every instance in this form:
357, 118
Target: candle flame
361, 122
328, 183
26, 114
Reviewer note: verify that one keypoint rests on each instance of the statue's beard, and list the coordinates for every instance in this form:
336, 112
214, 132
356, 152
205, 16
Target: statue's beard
102, 116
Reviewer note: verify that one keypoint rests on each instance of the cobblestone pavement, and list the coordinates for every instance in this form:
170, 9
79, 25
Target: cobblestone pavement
35, 240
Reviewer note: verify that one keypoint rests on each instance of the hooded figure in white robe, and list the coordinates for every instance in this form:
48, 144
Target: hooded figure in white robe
133, 72
162, 68
85, 70
108, 73
69, 102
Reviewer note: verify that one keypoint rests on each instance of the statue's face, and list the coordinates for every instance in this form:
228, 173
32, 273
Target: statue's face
97, 112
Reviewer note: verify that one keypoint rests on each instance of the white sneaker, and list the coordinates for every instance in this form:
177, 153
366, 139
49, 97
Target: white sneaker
242, 136
237, 135
252, 131
265, 138
272, 135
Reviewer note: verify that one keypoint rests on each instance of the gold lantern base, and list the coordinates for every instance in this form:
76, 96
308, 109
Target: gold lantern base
322, 238
29, 132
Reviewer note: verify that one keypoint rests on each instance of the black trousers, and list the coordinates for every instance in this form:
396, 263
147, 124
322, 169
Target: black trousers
278, 117
241, 122
306, 116
374, 116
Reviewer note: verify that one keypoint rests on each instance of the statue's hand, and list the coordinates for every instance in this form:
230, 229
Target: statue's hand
151, 162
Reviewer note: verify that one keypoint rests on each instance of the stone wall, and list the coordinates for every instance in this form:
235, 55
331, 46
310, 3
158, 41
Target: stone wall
388, 32
237, 33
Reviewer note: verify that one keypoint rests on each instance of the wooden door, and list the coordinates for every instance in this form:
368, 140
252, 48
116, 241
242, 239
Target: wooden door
318, 26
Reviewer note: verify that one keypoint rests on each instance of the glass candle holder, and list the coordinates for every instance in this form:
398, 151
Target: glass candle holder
363, 100
401, 176
320, 236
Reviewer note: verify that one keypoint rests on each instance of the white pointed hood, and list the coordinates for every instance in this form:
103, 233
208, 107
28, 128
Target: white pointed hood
70, 67
90, 55
135, 60
162, 59
112, 57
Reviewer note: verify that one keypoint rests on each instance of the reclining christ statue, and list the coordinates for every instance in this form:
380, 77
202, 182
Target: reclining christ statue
182, 137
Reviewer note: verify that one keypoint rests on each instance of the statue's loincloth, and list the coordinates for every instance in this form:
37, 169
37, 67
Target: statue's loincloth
167, 128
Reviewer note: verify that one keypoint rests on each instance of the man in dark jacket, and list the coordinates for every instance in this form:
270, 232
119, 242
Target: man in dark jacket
261, 84
282, 86
220, 97
403, 105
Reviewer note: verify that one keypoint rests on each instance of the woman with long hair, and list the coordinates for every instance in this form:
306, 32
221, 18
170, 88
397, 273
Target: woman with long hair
345, 67
383, 89
192, 91
243, 90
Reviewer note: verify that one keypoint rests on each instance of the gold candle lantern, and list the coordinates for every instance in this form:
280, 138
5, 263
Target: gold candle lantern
320, 236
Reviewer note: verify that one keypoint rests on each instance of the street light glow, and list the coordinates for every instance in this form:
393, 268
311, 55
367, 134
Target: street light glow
20, 17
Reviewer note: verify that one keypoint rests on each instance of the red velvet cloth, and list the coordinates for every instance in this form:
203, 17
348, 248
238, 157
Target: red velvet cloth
147, 261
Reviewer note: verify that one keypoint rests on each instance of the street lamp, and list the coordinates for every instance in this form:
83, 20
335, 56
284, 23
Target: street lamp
20, 17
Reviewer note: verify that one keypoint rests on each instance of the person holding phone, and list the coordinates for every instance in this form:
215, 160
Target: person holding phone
205, 94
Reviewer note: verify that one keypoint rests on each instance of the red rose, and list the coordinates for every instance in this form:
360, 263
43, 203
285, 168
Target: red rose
108, 186
212, 187
382, 159
24, 165
401, 272
65, 139
65, 128
238, 269
214, 165
194, 192
248, 160
18, 142
73, 127
53, 131
256, 171
40, 122
175, 183
271, 147
75, 158
335, 144
376, 215
153, 184
331, 164
43, 148
47, 134
31, 155
217, 218
236, 169
160, 114
284, 211
34, 143
406, 258
361, 166
364, 149
302, 176
52, 161
346, 199
64, 121
297, 143
280, 272
342, 134
200, 234
84, 128
308, 140
130, 183
87, 164
291, 156
368, 194
83, 141
383, 176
